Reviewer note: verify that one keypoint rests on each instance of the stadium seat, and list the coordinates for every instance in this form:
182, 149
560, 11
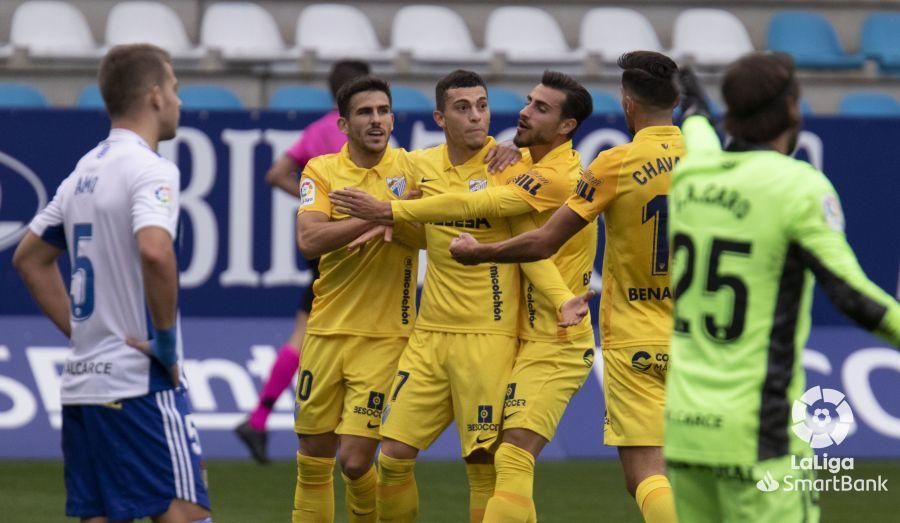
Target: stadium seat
605, 102
20, 96
869, 104
242, 31
880, 40
811, 40
301, 98
806, 108
353, 37
434, 34
527, 34
711, 37
51, 29
613, 31
90, 98
151, 22
208, 97
505, 101
409, 99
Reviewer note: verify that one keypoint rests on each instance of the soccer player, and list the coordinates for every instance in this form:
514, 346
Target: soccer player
362, 312
629, 184
320, 137
750, 229
552, 363
130, 448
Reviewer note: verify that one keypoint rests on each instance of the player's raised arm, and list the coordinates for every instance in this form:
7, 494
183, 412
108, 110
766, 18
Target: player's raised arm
531, 246
35, 259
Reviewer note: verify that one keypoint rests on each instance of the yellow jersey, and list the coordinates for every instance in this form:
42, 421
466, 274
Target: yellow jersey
372, 293
630, 185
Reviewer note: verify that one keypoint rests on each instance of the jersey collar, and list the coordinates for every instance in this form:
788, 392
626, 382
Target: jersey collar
120, 134
382, 168
560, 151
478, 159
657, 130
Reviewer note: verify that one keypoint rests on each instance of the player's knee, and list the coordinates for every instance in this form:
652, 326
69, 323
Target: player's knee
525, 439
398, 450
355, 465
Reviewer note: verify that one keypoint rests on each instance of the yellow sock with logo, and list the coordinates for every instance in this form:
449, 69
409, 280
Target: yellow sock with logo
360, 497
512, 501
398, 498
481, 487
654, 498
314, 495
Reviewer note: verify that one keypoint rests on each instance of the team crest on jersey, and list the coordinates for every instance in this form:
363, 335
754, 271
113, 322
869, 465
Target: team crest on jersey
397, 185
477, 185
307, 192
834, 216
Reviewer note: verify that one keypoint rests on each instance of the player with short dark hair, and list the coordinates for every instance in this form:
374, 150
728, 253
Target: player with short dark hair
751, 229
629, 185
320, 137
129, 445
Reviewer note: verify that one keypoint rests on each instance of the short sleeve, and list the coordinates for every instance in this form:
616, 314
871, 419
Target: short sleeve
48, 224
543, 189
301, 152
598, 185
314, 192
154, 198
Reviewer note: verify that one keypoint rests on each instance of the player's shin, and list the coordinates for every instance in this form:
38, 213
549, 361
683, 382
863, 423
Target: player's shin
314, 495
654, 498
360, 497
398, 497
481, 487
512, 500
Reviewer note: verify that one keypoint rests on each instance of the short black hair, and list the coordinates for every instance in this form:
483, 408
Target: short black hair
344, 71
455, 80
578, 105
360, 85
648, 76
758, 89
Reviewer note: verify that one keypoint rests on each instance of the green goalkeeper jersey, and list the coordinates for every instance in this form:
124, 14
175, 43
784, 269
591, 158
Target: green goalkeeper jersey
748, 230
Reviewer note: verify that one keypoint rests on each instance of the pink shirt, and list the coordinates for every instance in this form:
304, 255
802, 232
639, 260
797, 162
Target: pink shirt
320, 137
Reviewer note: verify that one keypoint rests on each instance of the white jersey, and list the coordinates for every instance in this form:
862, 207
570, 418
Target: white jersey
118, 188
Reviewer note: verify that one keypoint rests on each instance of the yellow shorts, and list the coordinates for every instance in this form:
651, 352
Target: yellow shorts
634, 387
342, 383
444, 376
545, 377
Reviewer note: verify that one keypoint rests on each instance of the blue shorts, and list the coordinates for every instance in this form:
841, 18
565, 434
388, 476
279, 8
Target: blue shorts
129, 459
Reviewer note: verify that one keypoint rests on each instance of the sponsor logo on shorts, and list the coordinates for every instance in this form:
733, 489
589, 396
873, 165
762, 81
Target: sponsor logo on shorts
373, 407
485, 420
588, 357
372, 425
407, 293
496, 292
511, 400
480, 440
642, 361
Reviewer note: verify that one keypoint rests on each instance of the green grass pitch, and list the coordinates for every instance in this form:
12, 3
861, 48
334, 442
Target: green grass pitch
566, 491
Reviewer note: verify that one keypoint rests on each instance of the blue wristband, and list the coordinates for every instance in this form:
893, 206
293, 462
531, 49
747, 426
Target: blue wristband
164, 346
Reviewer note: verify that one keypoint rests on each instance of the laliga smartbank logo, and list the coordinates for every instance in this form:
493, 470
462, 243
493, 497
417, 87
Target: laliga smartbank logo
821, 418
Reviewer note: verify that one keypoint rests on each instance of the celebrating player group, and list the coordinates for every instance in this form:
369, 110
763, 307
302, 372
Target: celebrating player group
709, 263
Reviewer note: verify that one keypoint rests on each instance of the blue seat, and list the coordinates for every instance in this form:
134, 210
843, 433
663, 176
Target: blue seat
805, 107
90, 98
880, 40
605, 103
811, 40
410, 99
505, 101
20, 95
209, 97
301, 98
869, 104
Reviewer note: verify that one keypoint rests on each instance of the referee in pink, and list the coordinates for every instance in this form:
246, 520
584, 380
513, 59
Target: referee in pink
320, 137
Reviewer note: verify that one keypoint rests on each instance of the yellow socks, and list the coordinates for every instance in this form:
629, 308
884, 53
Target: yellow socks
398, 498
654, 498
314, 495
481, 488
360, 497
512, 501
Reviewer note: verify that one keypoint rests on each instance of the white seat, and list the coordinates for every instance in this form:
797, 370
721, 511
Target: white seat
51, 29
336, 31
710, 37
242, 31
149, 22
613, 31
527, 34
434, 34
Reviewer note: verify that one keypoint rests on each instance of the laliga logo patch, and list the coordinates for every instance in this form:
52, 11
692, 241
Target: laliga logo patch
26, 196
828, 423
834, 216
397, 185
307, 192
477, 185
163, 194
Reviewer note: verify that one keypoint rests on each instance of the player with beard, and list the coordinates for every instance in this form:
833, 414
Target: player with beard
552, 363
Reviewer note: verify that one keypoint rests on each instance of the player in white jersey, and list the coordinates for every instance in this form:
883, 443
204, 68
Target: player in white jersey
129, 445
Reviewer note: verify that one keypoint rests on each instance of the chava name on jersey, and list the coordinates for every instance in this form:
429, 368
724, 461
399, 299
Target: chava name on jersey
712, 194
649, 293
654, 168
474, 223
